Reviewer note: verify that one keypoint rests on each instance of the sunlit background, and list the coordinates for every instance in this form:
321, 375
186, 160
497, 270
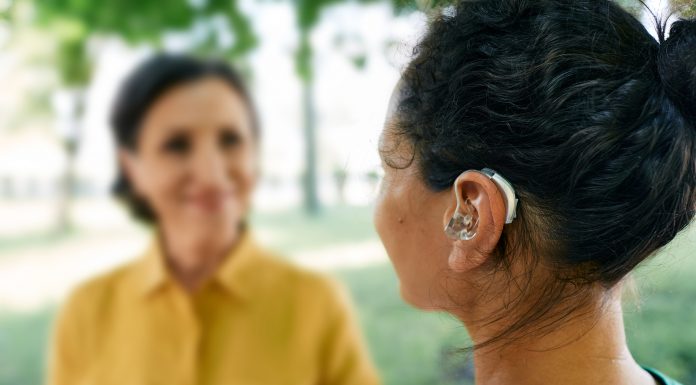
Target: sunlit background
321, 73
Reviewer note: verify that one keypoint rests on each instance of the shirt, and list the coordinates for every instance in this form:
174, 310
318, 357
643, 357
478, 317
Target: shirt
660, 378
258, 321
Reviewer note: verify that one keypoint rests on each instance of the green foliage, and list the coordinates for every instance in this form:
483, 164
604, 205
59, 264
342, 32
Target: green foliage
308, 14
633, 6
246, 40
146, 20
134, 20
303, 58
72, 22
73, 63
686, 7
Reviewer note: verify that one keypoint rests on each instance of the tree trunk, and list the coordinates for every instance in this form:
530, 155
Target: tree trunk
306, 73
311, 197
71, 114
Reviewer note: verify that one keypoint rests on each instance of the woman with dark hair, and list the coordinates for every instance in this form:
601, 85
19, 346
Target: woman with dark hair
536, 152
205, 304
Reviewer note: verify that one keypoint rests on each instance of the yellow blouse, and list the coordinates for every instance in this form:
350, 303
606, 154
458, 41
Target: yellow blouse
258, 321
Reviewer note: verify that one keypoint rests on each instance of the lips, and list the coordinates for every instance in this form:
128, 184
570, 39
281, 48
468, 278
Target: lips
208, 202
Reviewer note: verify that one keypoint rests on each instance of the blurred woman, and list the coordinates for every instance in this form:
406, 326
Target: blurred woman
536, 152
205, 304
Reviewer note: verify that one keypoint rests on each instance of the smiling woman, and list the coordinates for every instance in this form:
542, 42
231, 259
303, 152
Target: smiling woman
205, 304
196, 95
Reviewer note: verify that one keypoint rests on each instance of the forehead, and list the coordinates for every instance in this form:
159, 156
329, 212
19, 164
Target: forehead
205, 102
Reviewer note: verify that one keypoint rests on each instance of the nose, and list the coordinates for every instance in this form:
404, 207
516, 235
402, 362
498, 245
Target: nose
209, 169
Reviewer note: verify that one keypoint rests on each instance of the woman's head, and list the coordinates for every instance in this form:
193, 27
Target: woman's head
587, 116
187, 135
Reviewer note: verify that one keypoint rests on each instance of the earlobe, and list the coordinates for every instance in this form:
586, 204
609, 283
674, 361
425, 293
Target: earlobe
126, 163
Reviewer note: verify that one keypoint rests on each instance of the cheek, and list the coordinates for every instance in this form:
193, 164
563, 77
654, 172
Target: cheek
380, 220
243, 171
408, 222
398, 228
384, 215
162, 181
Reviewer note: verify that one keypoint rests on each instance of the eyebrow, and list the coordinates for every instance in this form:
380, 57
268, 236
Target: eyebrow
229, 127
177, 129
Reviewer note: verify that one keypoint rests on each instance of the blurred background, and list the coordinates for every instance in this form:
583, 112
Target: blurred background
321, 72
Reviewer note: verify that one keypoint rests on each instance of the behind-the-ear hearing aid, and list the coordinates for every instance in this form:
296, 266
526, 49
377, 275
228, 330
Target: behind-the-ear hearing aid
464, 221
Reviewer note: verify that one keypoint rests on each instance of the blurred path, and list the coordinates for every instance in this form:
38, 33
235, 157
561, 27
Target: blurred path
37, 276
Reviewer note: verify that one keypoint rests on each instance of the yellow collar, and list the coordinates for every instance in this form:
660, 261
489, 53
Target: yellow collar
235, 275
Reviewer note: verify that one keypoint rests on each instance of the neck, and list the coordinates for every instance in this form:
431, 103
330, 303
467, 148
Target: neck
193, 257
586, 350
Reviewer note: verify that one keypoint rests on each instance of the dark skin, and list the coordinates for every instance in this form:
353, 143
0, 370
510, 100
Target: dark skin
410, 219
196, 165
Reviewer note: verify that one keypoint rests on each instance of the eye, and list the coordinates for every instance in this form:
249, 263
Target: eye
230, 139
177, 144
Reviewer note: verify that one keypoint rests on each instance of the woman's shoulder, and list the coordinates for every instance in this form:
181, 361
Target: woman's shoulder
100, 287
301, 281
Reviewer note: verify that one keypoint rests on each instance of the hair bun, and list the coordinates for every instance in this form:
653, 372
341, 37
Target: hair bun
677, 66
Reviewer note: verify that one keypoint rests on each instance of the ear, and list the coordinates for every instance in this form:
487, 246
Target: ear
128, 162
488, 208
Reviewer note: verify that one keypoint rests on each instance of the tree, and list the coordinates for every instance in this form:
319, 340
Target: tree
146, 20
73, 68
308, 13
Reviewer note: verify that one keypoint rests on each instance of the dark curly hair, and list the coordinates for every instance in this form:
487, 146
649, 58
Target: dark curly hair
590, 118
138, 93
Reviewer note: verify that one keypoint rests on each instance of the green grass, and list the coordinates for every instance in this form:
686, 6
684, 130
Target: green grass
661, 328
293, 230
290, 230
409, 346
42, 239
22, 340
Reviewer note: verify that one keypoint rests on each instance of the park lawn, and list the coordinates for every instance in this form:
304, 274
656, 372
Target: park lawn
22, 340
292, 230
409, 346
661, 322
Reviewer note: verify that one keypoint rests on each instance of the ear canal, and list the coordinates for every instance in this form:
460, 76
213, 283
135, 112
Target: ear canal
464, 222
